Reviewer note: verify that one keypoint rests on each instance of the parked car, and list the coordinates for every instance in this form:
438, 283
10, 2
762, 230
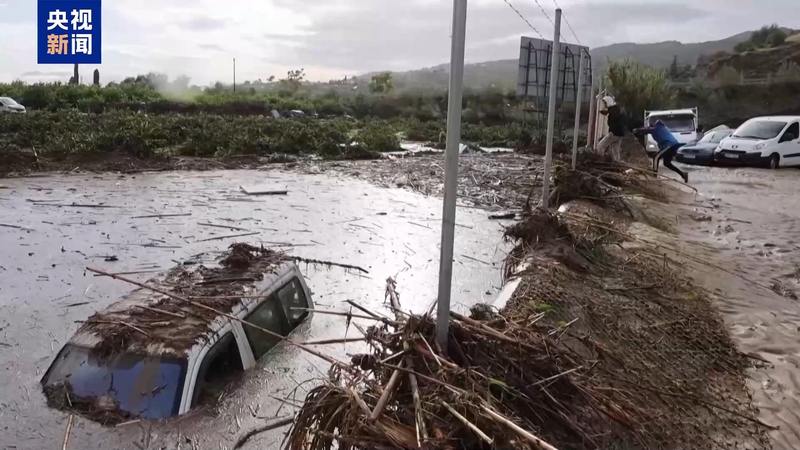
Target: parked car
179, 358
683, 123
766, 141
9, 105
702, 152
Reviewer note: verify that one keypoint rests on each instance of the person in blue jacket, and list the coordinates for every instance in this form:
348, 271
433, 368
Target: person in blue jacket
667, 147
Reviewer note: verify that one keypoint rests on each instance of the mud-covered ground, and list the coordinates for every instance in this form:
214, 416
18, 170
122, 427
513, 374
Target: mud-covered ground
746, 233
56, 225
741, 224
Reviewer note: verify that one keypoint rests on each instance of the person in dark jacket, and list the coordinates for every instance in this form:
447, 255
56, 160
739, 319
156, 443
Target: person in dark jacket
667, 147
616, 129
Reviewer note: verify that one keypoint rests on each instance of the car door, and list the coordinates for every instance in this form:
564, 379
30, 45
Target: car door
788, 145
219, 365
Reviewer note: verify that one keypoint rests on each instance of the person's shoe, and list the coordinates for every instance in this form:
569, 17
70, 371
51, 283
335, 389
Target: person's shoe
685, 177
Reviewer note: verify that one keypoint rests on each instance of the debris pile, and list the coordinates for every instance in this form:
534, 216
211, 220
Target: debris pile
601, 346
145, 318
491, 180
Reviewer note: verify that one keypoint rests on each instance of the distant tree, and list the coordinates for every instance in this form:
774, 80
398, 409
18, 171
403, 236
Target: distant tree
96, 77
75, 78
294, 79
381, 83
638, 87
674, 71
766, 37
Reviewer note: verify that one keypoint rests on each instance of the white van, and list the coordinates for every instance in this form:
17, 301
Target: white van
772, 141
683, 123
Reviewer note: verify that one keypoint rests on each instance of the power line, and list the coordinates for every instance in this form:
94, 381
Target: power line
544, 12
523, 18
571, 30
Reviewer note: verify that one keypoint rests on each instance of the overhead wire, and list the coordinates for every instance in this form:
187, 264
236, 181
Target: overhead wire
566, 20
544, 12
530, 25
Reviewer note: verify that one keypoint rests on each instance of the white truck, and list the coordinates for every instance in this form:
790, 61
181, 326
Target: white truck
683, 123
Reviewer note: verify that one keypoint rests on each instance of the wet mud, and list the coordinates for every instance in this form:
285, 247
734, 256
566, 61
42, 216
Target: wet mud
56, 225
744, 227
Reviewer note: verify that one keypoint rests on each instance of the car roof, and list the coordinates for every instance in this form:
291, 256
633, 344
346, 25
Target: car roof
671, 112
778, 118
147, 322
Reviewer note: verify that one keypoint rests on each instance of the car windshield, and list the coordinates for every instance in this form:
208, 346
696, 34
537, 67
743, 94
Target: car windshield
714, 137
677, 123
760, 129
140, 386
8, 101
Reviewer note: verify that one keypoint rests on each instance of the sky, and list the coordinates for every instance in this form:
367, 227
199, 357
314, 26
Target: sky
334, 38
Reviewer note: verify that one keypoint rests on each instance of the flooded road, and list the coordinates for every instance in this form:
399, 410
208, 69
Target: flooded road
68, 222
749, 223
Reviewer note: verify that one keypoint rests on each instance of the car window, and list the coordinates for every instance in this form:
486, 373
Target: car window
221, 365
677, 123
293, 299
794, 130
760, 129
269, 315
714, 137
142, 386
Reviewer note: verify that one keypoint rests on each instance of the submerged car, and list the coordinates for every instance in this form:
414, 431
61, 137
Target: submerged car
703, 151
763, 141
151, 356
9, 105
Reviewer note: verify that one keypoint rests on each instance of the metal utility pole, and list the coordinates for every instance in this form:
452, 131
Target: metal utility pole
234, 74
551, 110
578, 104
458, 38
592, 117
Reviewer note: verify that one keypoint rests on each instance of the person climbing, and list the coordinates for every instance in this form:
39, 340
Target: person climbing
667, 147
616, 129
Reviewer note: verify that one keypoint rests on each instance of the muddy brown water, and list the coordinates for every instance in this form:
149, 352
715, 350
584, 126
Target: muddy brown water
748, 223
44, 288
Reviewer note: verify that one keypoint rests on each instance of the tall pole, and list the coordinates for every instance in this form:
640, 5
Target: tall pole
578, 104
551, 110
459, 31
592, 114
234, 74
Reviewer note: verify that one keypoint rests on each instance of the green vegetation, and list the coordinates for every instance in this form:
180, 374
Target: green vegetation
637, 88
767, 37
381, 83
145, 135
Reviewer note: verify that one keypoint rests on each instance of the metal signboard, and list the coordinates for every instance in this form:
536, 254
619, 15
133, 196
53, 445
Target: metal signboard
535, 61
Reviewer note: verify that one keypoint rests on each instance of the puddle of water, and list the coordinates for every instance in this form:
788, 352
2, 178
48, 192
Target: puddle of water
45, 289
754, 232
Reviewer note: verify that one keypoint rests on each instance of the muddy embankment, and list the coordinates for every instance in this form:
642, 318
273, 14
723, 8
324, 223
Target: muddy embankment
604, 343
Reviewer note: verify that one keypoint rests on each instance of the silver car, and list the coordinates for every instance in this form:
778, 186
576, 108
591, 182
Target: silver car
9, 105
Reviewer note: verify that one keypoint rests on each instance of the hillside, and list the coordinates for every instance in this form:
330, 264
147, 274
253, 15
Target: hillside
502, 74
661, 54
